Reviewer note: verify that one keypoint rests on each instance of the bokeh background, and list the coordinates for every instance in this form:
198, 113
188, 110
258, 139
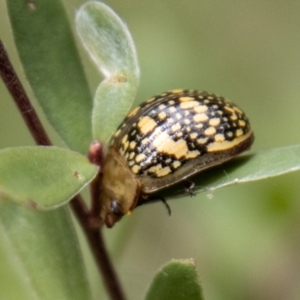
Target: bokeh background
245, 238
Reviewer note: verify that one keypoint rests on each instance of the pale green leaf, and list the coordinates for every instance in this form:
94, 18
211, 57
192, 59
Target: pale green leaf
247, 168
177, 280
43, 177
110, 45
39, 255
46, 47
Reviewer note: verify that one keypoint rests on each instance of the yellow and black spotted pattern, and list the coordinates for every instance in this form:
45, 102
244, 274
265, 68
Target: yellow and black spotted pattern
165, 141
165, 132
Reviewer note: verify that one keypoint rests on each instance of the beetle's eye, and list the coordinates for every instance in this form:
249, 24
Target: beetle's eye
115, 208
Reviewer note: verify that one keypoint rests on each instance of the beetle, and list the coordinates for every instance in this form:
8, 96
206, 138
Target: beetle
166, 140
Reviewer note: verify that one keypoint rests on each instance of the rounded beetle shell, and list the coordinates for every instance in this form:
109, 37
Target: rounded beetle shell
166, 140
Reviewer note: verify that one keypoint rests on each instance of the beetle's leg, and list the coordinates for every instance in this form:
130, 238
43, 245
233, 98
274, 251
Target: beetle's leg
163, 200
166, 205
189, 187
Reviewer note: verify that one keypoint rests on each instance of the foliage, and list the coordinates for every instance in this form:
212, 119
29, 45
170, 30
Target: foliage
42, 246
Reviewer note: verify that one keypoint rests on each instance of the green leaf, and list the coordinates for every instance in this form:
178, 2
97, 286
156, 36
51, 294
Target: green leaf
177, 280
246, 168
40, 257
110, 45
43, 177
52, 65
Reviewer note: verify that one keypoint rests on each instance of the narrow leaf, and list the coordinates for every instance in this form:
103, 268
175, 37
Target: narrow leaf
43, 177
247, 168
40, 257
109, 43
52, 65
177, 280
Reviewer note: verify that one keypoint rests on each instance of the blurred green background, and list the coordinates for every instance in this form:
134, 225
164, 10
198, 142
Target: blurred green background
245, 238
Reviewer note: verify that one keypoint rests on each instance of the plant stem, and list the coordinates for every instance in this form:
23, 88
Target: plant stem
21, 99
92, 232
101, 256
96, 157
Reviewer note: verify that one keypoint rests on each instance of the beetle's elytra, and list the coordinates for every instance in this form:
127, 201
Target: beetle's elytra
166, 140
